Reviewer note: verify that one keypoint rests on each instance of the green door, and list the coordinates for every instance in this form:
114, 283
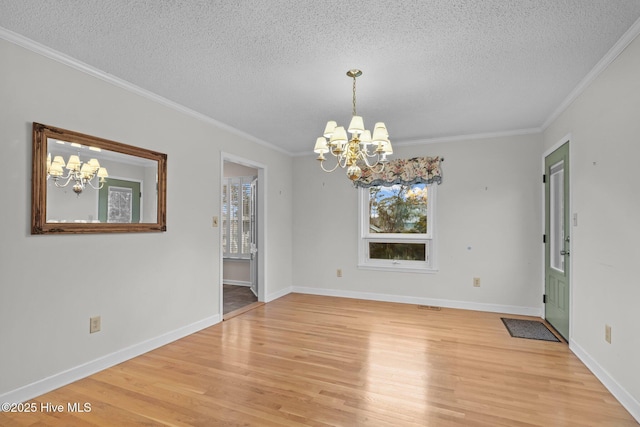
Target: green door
119, 201
557, 228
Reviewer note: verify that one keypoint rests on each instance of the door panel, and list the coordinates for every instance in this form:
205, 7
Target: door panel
557, 242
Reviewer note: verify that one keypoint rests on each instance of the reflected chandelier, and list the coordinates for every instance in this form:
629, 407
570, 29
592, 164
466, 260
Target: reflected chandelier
80, 173
362, 148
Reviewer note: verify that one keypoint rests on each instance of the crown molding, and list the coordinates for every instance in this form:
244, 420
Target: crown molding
602, 65
71, 62
516, 132
455, 138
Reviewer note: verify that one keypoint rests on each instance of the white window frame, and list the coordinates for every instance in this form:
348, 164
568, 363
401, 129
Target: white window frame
240, 181
429, 239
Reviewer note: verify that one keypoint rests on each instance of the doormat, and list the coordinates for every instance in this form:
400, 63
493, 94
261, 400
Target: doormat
529, 329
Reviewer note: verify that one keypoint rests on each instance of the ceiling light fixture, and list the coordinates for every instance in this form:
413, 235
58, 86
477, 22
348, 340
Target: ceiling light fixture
80, 173
359, 148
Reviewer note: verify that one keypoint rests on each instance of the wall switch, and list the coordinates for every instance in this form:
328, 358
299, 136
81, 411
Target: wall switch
607, 333
476, 282
339, 272
214, 223
94, 324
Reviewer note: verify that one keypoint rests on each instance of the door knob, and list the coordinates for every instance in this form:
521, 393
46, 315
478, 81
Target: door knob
563, 252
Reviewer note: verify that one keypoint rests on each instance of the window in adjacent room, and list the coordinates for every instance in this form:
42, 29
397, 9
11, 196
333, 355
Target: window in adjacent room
397, 227
236, 217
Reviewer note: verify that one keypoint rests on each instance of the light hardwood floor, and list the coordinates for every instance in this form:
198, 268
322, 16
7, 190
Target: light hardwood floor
319, 361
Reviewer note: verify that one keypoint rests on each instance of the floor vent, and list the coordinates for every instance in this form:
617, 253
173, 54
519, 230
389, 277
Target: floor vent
429, 307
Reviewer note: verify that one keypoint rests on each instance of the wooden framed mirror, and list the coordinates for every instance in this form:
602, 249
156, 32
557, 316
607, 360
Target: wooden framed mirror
86, 184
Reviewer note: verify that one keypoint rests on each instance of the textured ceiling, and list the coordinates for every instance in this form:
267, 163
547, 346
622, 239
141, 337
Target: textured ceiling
275, 69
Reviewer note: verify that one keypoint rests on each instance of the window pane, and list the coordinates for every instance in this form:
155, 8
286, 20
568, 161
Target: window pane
234, 215
246, 217
399, 251
398, 209
557, 216
225, 203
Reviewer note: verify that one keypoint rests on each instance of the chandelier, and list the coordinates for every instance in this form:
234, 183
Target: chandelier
362, 149
82, 174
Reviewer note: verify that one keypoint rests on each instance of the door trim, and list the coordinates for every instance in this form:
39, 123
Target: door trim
262, 220
566, 139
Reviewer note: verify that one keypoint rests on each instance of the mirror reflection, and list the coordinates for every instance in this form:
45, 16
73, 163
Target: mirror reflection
87, 184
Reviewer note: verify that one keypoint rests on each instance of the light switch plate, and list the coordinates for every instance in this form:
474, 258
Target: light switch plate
94, 324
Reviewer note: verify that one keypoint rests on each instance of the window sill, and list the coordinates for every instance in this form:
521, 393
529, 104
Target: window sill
398, 269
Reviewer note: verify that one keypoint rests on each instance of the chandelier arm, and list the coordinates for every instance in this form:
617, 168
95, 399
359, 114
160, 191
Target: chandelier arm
366, 161
374, 166
338, 154
343, 160
366, 156
88, 181
329, 170
381, 168
374, 154
68, 178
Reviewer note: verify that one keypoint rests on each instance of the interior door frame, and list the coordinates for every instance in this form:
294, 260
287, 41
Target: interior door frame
261, 221
253, 263
564, 140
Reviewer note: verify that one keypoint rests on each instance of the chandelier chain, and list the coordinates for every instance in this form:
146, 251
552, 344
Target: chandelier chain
354, 96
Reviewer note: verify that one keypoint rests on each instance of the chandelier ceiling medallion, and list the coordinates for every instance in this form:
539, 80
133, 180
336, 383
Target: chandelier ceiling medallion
363, 149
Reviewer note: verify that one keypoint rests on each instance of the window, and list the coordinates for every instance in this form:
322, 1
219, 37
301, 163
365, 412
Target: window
236, 217
397, 227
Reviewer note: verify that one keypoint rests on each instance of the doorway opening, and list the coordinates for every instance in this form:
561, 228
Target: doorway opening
242, 211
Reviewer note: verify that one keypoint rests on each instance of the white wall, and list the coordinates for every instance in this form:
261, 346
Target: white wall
236, 272
144, 285
488, 225
604, 123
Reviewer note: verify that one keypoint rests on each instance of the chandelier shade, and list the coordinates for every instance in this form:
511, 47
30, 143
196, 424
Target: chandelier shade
81, 174
363, 149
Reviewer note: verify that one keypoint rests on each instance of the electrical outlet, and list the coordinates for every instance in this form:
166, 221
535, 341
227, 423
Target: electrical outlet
607, 333
94, 324
339, 272
476, 282
214, 223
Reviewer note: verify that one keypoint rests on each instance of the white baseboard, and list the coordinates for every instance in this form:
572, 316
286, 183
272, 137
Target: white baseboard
278, 294
625, 399
60, 379
236, 282
465, 305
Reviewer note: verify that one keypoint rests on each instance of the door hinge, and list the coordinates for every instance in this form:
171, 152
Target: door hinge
544, 178
544, 238
544, 298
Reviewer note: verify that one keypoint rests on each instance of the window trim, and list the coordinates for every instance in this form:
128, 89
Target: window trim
429, 239
226, 220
